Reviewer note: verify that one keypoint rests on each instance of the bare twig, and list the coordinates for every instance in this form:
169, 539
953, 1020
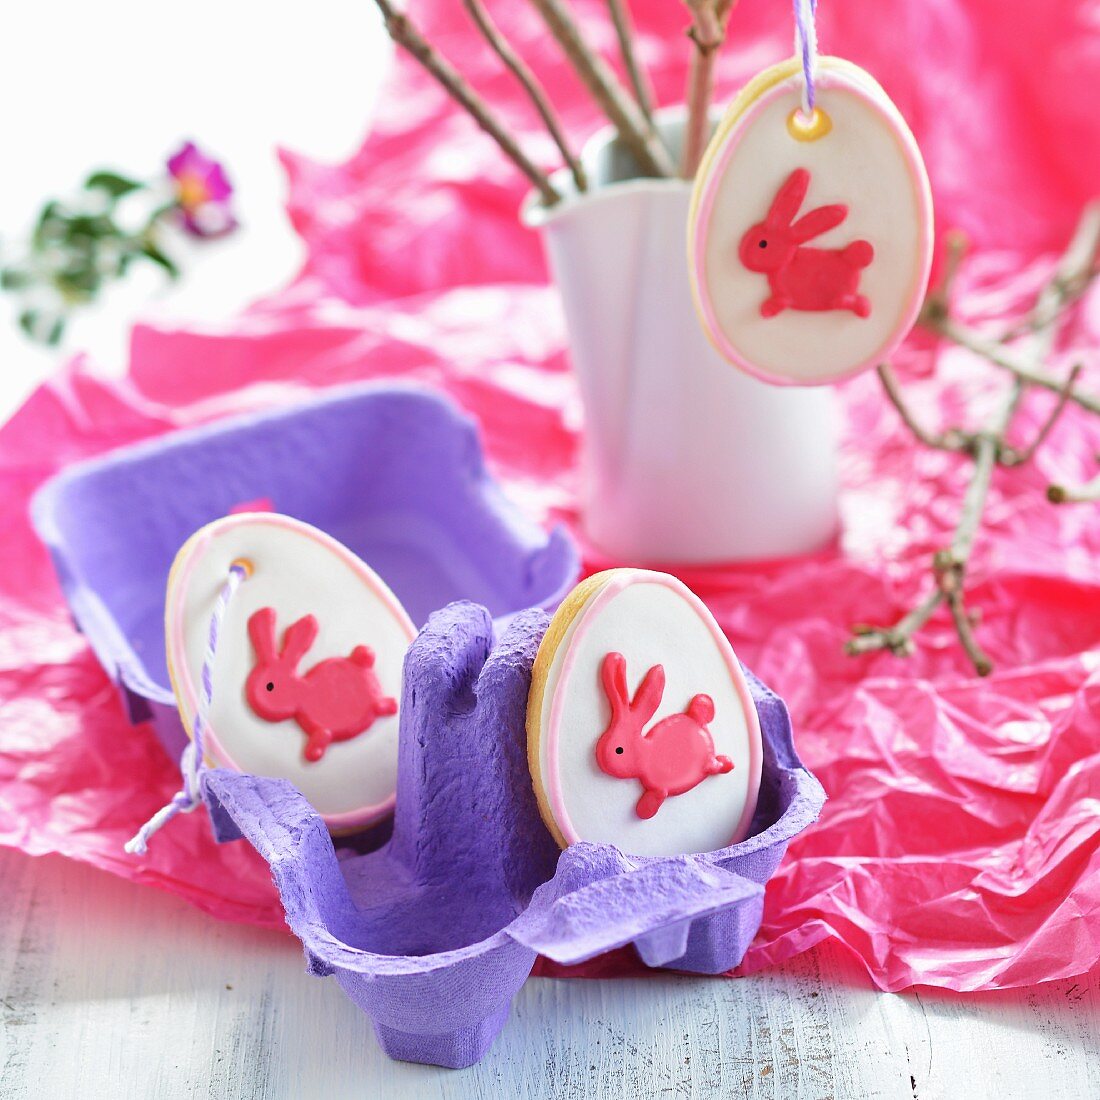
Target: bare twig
531, 86
624, 32
1016, 456
636, 132
936, 302
949, 565
406, 35
1071, 277
1075, 283
1075, 271
1069, 281
989, 447
709, 19
898, 639
1075, 494
1009, 359
983, 666
943, 441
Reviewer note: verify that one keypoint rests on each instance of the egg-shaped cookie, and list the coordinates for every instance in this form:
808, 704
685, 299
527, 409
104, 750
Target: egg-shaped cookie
641, 729
306, 671
810, 237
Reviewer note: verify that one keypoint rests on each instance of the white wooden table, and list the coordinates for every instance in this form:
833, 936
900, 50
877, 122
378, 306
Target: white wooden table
109, 990
118, 991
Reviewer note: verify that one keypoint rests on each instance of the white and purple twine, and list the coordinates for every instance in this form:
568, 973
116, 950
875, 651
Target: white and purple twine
191, 762
805, 47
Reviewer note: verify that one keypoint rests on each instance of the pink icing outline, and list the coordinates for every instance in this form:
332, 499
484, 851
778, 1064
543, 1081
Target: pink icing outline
348, 819
612, 588
918, 173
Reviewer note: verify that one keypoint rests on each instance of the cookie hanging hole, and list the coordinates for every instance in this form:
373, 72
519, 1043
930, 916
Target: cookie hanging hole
243, 564
803, 127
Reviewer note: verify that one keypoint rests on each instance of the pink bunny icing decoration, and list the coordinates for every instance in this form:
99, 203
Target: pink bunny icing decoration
676, 755
336, 700
811, 279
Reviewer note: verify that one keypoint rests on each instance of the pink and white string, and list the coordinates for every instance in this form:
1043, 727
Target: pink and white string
192, 764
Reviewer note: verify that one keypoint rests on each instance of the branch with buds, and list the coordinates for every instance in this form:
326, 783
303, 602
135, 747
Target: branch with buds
624, 32
629, 109
531, 86
635, 130
1022, 353
1089, 493
407, 35
709, 19
988, 447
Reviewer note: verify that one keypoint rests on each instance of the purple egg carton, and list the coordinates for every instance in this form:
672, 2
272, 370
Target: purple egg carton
394, 472
433, 934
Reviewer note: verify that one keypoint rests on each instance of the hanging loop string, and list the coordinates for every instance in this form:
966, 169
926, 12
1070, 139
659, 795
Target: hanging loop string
805, 48
191, 762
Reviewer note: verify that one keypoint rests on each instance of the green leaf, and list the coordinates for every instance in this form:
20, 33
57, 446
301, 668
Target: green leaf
152, 252
90, 227
49, 212
14, 278
43, 328
79, 281
51, 219
112, 183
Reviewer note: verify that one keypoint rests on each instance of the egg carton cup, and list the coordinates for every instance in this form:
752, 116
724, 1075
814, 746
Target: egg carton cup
394, 472
434, 933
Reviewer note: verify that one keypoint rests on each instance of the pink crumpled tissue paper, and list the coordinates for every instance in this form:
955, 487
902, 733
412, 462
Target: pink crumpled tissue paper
961, 844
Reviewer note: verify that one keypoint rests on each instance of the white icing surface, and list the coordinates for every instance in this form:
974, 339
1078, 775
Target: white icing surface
298, 571
649, 623
869, 162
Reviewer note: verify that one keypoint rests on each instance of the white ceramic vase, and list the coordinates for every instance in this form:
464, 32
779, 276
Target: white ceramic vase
686, 459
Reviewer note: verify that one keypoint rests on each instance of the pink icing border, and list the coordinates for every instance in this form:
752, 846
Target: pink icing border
349, 819
605, 594
910, 152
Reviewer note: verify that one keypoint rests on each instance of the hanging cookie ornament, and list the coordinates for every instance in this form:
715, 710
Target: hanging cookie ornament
298, 674
810, 231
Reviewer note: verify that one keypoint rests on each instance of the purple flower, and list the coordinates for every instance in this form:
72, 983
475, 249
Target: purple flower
203, 192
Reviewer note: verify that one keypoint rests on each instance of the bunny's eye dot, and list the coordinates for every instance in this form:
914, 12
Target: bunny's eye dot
619, 750
763, 244
270, 687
